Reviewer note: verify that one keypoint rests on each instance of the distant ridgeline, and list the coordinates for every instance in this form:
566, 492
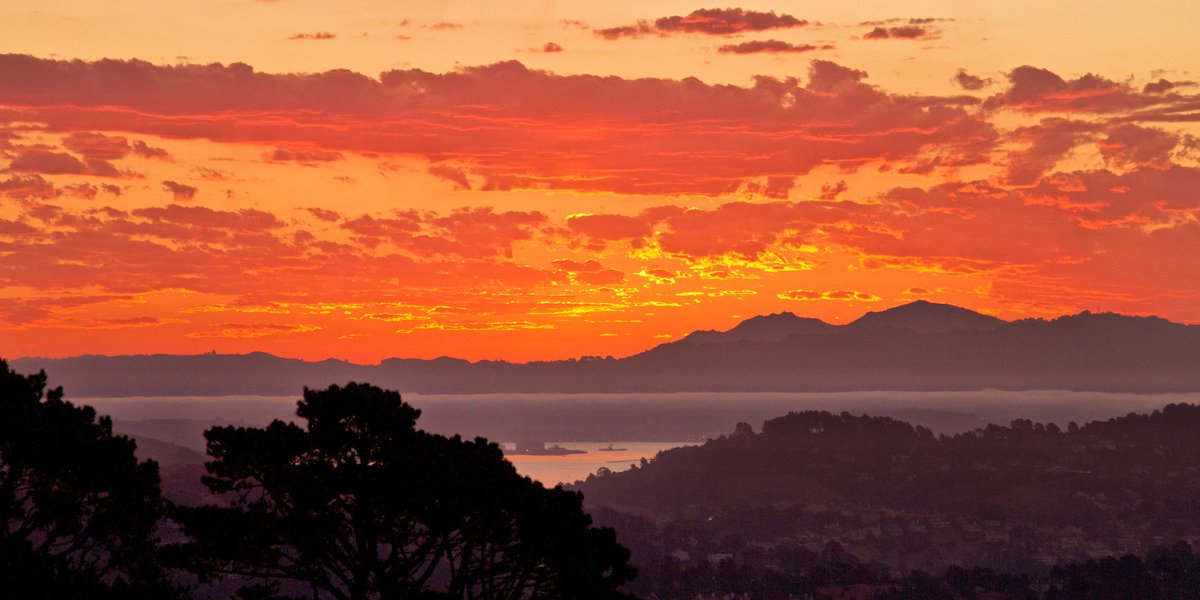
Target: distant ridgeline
917, 346
1016, 499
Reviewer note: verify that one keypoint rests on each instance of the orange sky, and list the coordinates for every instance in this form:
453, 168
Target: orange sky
544, 180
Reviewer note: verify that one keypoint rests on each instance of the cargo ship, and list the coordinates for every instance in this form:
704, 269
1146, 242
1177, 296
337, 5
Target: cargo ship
541, 449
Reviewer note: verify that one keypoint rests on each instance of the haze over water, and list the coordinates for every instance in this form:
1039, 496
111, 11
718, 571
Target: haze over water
642, 423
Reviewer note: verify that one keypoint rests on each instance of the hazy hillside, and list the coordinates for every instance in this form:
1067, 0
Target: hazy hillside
927, 317
918, 346
1017, 498
166, 453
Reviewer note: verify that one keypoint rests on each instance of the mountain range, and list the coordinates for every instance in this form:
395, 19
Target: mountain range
916, 346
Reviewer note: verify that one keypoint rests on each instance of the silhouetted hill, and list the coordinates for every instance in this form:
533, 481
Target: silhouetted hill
1019, 498
919, 346
181, 375
766, 328
166, 453
927, 317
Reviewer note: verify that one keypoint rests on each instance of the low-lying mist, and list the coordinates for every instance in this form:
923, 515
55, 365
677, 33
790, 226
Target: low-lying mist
638, 417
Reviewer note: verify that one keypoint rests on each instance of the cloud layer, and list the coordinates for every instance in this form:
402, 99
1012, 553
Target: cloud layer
515, 127
502, 200
706, 21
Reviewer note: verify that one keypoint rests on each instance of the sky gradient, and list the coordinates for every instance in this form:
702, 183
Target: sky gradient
545, 180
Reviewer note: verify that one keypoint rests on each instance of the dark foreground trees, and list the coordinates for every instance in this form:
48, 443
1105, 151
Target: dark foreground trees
78, 512
360, 504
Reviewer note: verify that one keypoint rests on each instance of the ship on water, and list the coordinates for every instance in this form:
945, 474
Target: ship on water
541, 449
609, 448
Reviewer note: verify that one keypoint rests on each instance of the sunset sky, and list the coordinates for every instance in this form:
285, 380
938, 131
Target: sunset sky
550, 179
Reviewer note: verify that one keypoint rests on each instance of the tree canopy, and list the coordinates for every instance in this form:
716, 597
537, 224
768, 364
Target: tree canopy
79, 511
359, 503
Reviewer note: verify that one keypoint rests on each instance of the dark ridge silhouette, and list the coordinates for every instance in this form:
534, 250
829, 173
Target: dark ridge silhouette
928, 317
918, 346
767, 328
166, 454
1019, 499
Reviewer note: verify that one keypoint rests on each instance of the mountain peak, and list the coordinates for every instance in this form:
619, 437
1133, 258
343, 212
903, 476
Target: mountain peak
779, 318
763, 328
927, 317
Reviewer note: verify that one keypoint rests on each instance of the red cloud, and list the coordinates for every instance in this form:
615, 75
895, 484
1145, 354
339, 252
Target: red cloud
26, 187
572, 266
1163, 86
1129, 146
710, 21
946, 221
1125, 146
1049, 142
1039, 90
829, 77
254, 254
13, 228
46, 162
590, 272
22, 311
466, 232
371, 231
904, 32
515, 127
1057, 227
735, 228
7, 134
83, 190
730, 20
603, 228
831, 191
140, 148
60, 163
320, 35
1067, 225
775, 187
302, 155
969, 82
910, 21
325, 214
830, 295
198, 218
179, 190
739, 229
770, 47
552, 47
478, 232
97, 145
1101, 198
452, 174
